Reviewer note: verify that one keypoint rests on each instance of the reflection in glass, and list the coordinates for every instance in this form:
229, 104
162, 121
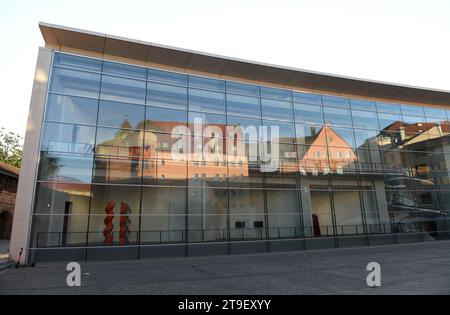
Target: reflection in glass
167, 96
276, 110
65, 168
75, 82
206, 101
71, 109
68, 138
308, 114
123, 90
121, 115
243, 106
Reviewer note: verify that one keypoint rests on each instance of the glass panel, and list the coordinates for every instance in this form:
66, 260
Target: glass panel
120, 69
206, 83
65, 168
283, 213
277, 94
366, 138
118, 170
120, 204
364, 120
363, 105
337, 117
307, 98
68, 138
247, 218
207, 120
71, 109
243, 105
348, 212
412, 110
119, 142
167, 96
340, 137
121, 89
71, 61
121, 115
68, 81
168, 77
59, 230
386, 120
207, 214
164, 120
307, 134
275, 110
163, 215
240, 88
308, 114
285, 130
335, 101
61, 198
317, 213
435, 112
388, 108
200, 100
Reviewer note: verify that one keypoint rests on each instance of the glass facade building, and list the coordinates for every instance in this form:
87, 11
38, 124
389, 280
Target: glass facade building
109, 183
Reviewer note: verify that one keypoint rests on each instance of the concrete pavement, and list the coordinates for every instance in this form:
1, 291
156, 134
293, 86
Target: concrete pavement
422, 268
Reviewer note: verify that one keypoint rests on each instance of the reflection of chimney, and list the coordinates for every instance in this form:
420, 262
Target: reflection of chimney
402, 133
440, 130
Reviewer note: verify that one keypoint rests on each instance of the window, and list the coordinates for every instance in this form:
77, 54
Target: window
244, 89
124, 90
307, 134
167, 96
119, 142
335, 101
68, 138
167, 77
75, 82
206, 101
276, 110
81, 63
385, 120
71, 109
412, 110
164, 119
206, 83
65, 168
337, 117
307, 98
285, 130
364, 120
243, 106
276, 94
121, 115
308, 114
388, 108
119, 69
363, 105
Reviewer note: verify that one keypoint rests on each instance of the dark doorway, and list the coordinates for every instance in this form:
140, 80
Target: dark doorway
5, 225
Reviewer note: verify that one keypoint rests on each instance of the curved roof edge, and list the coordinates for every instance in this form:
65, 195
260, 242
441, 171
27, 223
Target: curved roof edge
64, 38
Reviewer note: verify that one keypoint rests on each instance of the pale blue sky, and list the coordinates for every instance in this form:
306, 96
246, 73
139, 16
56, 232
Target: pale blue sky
401, 41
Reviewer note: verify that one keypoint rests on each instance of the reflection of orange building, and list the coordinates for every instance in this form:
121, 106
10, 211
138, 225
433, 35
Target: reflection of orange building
329, 152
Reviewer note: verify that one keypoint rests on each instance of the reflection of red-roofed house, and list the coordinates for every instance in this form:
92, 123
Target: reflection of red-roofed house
328, 152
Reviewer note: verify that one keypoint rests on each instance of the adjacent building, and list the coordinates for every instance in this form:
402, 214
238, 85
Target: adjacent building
9, 177
117, 166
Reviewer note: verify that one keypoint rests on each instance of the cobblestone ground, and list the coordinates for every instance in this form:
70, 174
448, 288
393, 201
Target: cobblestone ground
422, 268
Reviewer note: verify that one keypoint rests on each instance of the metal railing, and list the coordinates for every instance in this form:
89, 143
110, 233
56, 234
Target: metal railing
155, 237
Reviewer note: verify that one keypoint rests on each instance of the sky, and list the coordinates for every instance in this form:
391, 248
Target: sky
398, 41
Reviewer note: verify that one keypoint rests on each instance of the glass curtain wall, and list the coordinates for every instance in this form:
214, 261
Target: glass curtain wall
119, 162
